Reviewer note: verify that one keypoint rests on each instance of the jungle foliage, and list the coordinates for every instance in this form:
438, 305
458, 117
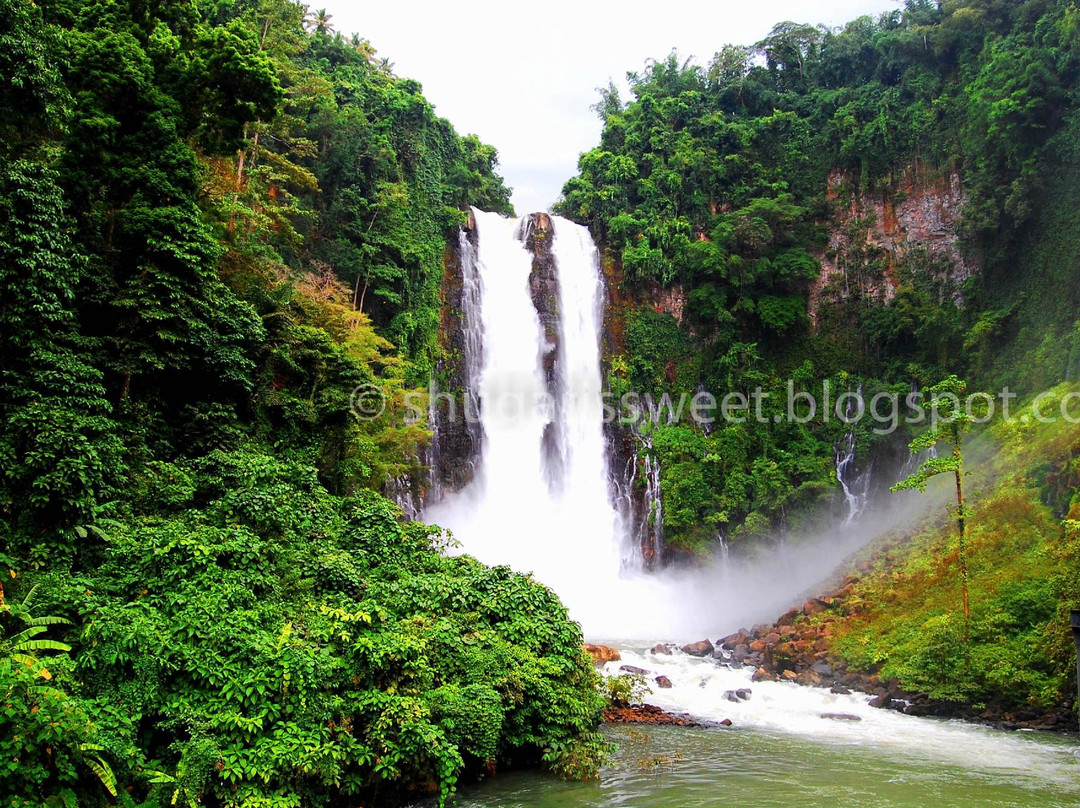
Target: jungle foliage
730, 184
217, 219
904, 617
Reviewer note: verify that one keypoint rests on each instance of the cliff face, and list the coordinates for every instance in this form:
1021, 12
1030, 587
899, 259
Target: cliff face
456, 433
873, 235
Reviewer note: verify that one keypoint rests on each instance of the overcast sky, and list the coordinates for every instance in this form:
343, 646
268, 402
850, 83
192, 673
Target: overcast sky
522, 75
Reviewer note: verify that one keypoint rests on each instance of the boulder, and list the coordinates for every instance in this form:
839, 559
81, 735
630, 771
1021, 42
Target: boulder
757, 645
702, 648
840, 690
814, 606
788, 617
661, 648
772, 639
881, 701
744, 693
662, 682
729, 695
601, 653
634, 670
726, 722
732, 640
759, 675
789, 676
788, 630
822, 669
840, 717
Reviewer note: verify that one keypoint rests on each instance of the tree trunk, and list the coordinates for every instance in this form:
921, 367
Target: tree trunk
960, 522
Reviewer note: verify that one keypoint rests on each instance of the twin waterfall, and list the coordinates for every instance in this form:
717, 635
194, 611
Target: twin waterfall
540, 499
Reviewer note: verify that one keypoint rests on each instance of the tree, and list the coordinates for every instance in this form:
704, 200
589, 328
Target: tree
949, 422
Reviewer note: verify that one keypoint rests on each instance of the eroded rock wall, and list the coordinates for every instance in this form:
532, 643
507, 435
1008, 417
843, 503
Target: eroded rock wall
873, 233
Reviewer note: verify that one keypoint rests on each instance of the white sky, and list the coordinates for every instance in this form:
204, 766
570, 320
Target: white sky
522, 76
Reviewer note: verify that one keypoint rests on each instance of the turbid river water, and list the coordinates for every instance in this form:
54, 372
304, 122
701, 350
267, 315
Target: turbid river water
781, 752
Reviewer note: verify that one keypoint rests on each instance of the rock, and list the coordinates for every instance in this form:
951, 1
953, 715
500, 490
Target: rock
661, 648
698, 649
814, 606
789, 631
731, 641
840, 717
822, 669
840, 690
662, 682
789, 676
772, 639
726, 722
744, 693
739, 655
729, 695
757, 645
634, 670
601, 653
646, 714
788, 617
759, 675
881, 701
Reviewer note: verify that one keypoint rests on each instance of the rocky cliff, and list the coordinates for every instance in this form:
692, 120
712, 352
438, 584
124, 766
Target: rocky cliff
872, 235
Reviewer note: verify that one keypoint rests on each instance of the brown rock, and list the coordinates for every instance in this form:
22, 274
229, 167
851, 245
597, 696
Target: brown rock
840, 717
662, 682
772, 639
634, 670
732, 641
789, 676
660, 648
814, 606
601, 653
789, 630
757, 645
701, 648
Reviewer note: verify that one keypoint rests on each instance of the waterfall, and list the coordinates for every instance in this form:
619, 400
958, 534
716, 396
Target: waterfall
652, 521
539, 391
856, 486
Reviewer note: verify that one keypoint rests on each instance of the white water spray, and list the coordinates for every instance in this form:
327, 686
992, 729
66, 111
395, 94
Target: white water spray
568, 535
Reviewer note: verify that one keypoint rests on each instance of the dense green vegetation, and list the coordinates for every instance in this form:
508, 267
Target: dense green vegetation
732, 184
904, 618
217, 219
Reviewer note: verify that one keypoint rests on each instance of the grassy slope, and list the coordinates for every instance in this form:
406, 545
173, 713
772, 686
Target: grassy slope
904, 616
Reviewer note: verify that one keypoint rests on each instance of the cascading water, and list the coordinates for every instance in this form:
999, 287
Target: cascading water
568, 534
856, 486
652, 522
